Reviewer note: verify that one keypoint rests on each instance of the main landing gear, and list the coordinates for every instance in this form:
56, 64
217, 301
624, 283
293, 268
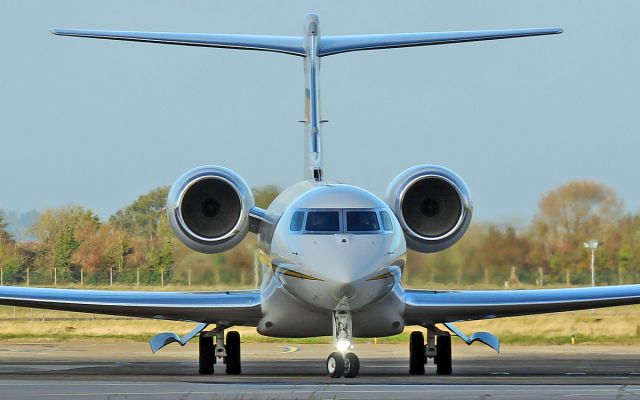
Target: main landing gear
438, 348
226, 351
342, 362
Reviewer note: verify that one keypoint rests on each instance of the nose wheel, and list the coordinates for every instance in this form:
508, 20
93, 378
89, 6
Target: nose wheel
347, 365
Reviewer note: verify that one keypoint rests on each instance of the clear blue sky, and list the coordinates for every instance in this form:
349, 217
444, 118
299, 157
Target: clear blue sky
97, 123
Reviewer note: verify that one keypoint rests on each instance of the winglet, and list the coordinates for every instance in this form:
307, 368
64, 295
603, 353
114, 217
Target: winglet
487, 338
162, 339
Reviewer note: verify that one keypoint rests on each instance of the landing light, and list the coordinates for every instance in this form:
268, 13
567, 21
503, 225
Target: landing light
343, 345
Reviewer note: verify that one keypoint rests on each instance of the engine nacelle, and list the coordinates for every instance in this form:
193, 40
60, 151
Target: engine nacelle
433, 206
208, 208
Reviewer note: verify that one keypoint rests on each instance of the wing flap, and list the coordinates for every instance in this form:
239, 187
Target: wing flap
240, 307
429, 307
330, 45
279, 44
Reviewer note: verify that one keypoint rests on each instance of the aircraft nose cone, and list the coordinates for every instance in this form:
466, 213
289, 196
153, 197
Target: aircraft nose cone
345, 290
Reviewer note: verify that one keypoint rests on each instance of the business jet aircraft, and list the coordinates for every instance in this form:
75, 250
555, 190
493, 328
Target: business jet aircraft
332, 254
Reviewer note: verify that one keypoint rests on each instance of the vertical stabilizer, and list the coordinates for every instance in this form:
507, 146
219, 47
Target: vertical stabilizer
313, 138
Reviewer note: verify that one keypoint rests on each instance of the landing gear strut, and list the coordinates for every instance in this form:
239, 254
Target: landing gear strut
226, 351
342, 362
438, 348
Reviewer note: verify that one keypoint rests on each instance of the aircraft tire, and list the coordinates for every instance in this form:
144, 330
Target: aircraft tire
232, 346
443, 355
335, 365
207, 356
417, 358
351, 365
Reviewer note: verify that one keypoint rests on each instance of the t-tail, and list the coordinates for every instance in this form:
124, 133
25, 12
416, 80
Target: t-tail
312, 46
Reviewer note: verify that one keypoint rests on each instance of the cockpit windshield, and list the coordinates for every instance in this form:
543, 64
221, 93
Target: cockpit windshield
323, 221
362, 221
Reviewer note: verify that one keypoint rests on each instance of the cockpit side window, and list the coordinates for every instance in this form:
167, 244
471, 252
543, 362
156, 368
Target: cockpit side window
362, 221
296, 221
387, 225
323, 221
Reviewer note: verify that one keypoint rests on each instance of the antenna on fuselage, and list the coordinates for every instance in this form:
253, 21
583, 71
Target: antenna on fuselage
312, 47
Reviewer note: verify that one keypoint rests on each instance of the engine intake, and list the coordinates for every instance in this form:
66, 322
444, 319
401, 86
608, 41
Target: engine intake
433, 207
208, 208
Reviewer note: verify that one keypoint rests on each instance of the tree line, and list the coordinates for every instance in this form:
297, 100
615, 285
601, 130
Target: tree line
72, 246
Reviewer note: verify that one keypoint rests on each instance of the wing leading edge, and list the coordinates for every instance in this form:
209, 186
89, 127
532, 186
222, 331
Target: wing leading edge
425, 307
240, 307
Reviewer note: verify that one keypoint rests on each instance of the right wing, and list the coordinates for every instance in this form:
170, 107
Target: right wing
241, 307
425, 307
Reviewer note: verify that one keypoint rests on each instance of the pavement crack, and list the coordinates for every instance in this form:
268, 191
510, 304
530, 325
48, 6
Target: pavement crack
622, 391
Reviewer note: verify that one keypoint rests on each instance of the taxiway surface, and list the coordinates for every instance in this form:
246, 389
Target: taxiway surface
99, 370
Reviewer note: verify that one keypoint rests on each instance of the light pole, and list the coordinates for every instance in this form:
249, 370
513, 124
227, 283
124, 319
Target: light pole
592, 245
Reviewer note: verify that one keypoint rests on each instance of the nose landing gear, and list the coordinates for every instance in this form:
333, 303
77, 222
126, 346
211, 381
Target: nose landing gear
342, 362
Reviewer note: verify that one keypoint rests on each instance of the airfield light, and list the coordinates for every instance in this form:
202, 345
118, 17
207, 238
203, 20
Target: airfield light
592, 245
343, 345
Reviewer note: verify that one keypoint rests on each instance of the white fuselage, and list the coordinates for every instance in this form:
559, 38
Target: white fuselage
355, 262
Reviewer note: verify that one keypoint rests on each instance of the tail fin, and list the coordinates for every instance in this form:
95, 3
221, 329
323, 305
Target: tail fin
311, 46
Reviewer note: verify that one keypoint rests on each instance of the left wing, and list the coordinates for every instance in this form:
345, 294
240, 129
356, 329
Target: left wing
241, 307
425, 307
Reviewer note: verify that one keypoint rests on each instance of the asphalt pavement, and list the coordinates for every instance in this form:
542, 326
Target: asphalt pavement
103, 370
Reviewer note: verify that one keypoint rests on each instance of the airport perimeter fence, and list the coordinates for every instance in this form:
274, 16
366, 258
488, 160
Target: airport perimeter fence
129, 277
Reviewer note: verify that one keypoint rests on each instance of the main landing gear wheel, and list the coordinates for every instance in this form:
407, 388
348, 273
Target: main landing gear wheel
417, 357
335, 365
233, 353
443, 355
351, 365
207, 355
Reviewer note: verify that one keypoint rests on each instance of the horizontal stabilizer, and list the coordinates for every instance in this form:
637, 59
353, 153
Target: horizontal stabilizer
279, 44
330, 45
